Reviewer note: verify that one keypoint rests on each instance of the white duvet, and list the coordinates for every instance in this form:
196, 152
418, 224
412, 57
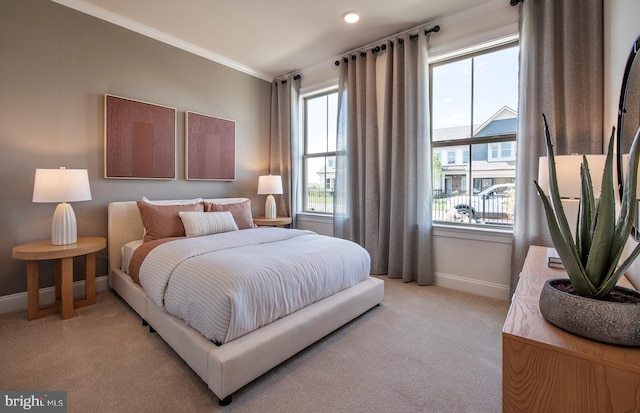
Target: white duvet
226, 285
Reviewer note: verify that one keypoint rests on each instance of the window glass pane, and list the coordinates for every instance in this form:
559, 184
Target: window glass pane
505, 150
490, 201
315, 184
317, 125
451, 100
320, 184
332, 121
321, 118
474, 182
495, 86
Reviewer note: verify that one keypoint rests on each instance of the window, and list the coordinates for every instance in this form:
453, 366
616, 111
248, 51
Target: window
503, 151
474, 99
319, 159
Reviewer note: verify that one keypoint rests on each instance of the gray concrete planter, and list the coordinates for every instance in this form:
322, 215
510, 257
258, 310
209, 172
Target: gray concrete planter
612, 322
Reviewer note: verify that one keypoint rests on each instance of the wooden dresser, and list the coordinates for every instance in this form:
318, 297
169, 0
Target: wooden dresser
545, 369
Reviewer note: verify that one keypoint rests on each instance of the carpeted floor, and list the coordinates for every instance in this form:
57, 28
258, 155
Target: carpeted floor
425, 349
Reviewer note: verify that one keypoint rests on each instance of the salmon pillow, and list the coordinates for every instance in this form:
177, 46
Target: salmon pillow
163, 221
241, 212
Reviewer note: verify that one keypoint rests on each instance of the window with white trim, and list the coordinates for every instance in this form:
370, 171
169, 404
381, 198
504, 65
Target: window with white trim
474, 99
319, 169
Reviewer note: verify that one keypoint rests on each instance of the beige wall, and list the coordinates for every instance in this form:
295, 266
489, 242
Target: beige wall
56, 64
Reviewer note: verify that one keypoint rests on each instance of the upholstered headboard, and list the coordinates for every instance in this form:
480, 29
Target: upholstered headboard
125, 224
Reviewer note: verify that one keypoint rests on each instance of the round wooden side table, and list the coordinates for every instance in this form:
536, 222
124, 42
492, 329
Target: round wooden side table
276, 222
33, 252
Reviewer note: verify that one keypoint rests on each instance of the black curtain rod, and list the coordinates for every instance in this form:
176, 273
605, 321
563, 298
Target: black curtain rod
295, 77
515, 2
434, 29
377, 49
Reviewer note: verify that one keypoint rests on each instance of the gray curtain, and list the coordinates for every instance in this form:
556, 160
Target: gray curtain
383, 165
562, 76
284, 142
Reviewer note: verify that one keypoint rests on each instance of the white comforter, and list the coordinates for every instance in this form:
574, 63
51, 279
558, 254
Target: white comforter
227, 285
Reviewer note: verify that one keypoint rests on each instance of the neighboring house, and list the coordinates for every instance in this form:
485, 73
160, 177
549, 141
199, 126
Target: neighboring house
327, 174
489, 163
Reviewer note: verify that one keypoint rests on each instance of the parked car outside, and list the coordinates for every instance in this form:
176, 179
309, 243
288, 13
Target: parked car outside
493, 203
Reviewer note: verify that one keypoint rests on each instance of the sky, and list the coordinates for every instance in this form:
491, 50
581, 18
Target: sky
495, 84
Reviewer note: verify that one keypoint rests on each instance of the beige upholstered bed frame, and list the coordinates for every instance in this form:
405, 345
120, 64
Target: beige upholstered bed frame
228, 367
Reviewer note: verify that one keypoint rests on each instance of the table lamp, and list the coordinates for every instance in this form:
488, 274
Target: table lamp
270, 184
568, 174
569, 181
62, 185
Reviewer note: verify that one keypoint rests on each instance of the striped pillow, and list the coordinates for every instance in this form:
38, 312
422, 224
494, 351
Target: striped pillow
197, 224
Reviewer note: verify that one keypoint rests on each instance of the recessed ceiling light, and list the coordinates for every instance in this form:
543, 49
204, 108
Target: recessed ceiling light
351, 17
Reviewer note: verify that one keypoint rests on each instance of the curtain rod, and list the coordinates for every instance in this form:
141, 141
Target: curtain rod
283, 81
376, 49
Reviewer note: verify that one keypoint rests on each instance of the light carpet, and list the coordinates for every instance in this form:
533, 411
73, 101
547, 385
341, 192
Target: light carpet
424, 349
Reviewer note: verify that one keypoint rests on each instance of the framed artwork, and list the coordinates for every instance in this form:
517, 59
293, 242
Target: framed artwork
210, 147
140, 139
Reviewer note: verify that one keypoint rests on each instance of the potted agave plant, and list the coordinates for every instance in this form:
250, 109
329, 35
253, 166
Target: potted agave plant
589, 303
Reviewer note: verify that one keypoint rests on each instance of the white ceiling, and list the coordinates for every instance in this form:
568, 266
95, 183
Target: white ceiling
268, 38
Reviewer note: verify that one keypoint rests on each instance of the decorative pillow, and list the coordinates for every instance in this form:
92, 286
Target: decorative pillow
241, 212
162, 221
197, 224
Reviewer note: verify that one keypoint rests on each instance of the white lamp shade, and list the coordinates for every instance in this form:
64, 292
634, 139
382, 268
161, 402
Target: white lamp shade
61, 185
568, 174
269, 184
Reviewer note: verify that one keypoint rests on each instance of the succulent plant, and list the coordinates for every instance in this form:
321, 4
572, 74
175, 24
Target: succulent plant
591, 261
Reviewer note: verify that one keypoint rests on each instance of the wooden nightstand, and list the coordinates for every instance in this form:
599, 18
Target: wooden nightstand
283, 222
63, 255
547, 369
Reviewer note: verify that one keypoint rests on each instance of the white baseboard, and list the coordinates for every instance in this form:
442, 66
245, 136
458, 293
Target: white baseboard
469, 285
19, 301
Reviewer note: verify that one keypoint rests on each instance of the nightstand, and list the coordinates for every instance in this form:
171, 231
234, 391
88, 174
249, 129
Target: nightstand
546, 369
63, 256
283, 222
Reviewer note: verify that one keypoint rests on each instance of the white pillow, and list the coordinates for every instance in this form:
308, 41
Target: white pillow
173, 201
197, 224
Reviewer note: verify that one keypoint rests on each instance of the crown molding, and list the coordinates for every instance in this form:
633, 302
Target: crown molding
114, 18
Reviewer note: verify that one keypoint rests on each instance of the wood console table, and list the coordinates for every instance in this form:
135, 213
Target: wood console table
545, 369
63, 255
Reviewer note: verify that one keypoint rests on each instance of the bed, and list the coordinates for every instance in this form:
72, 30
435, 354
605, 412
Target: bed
229, 366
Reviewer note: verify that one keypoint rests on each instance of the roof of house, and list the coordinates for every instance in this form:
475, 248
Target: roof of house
498, 127
503, 122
